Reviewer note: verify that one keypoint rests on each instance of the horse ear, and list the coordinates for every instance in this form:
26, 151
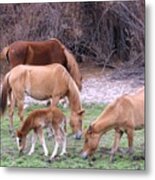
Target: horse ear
81, 112
90, 129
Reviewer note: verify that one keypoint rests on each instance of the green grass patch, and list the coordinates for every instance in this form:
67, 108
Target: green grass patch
10, 156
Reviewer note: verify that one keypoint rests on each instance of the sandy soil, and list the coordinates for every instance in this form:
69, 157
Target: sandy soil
100, 87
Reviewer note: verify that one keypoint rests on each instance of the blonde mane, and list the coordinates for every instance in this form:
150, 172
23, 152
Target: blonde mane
3, 54
71, 64
73, 94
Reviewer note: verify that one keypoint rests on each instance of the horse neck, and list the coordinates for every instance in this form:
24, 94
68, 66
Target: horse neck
105, 122
74, 97
27, 126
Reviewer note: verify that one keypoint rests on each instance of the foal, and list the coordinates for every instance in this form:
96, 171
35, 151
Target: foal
41, 83
125, 114
51, 118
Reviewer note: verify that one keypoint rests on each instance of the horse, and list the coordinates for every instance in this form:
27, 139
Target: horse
42, 83
125, 114
42, 53
52, 118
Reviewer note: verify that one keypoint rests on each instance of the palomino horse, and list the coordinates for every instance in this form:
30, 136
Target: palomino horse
42, 82
51, 118
125, 114
42, 53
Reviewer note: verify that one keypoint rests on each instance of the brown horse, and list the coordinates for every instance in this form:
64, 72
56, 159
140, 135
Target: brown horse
42, 53
51, 118
125, 114
42, 82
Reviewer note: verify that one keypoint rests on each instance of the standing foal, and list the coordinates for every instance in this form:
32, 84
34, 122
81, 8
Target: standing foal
51, 118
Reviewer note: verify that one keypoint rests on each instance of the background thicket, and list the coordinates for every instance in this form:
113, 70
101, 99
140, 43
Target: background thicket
110, 34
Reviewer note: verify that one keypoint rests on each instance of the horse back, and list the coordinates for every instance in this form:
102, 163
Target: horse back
133, 107
37, 53
40, 82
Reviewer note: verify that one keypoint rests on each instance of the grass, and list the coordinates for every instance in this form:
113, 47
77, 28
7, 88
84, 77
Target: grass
10, 156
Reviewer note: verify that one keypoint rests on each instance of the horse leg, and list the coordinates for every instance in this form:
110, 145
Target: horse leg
55, 101
64, 102
11, 111
118, 135
49, 133
57, 143
55, 150
34, 139
42, 140
130, 133
20, 109
63, 142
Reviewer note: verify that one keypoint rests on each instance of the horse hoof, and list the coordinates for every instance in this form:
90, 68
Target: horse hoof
94, 159
112, 159
77, 137
50, 160
91, 163
12, 133
84, 155
20, 153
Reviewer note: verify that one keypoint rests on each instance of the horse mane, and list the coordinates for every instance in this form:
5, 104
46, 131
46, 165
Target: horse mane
72, 65
73, 68
73, 94
108, 111
4, 53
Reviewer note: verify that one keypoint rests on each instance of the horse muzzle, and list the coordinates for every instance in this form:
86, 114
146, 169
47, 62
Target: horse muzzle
84, 155
78, 135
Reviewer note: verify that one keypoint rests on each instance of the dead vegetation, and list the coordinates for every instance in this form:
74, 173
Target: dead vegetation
110, 34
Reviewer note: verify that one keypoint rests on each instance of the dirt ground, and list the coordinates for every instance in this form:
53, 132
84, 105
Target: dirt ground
99, 85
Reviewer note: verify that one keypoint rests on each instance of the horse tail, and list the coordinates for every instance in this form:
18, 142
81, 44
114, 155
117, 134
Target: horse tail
4, 55
4, 93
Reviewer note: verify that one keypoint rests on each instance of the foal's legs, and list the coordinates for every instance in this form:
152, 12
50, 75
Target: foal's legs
55, 150
38, 132
63, 151
34, 139
60, 139
118, 135
42, 140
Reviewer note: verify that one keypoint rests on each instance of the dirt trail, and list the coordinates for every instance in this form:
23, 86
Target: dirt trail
100, 87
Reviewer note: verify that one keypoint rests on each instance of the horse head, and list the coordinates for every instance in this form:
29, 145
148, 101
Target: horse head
90, 143
76, 123
21, 140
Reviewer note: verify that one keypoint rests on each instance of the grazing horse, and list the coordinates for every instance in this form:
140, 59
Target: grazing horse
125, 114
42, 53
41, 83
51, 118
